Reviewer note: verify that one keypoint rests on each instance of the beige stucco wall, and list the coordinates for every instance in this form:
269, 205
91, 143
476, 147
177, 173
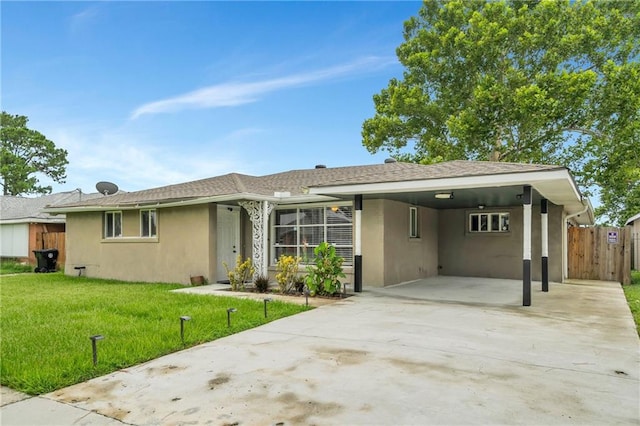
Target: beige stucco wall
497, 255
373, 243
389, 256
185, 243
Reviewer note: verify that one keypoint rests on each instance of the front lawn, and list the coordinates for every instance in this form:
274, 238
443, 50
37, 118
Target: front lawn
632, 293
9, 266
47, 319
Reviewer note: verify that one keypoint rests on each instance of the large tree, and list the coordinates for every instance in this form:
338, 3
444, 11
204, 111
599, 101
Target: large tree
25, 155
554, 82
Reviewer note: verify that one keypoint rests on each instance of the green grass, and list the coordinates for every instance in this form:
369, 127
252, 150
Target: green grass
632, 293
46, 321
13, 267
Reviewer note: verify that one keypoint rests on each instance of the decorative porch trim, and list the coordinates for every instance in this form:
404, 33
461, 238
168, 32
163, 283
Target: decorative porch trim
259, 212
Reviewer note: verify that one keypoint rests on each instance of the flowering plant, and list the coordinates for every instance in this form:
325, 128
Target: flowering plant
287, 267
240, 274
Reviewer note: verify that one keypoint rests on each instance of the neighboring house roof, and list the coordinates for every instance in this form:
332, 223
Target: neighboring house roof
328, 183
16, 209
633, 219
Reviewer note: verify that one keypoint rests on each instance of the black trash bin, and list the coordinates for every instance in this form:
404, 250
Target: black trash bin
46, 260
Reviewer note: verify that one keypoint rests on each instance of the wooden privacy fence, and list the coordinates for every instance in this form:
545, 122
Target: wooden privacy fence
600, 253
52, 240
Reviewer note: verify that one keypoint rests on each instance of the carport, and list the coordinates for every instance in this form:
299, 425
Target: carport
473, 189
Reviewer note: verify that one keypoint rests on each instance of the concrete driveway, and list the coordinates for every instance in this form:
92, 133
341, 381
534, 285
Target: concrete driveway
399, 356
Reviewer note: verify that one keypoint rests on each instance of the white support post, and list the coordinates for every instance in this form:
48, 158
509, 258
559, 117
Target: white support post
544, 231
526, 249
265, 238
357, 258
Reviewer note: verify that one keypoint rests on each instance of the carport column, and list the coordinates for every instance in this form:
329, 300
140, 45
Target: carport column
357, 267
526, 249
259, 216
544, 230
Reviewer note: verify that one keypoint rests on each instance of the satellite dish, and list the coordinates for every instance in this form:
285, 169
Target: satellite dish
106, 188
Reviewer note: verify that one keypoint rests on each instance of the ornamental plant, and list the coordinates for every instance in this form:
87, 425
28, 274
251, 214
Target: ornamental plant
287, 272
241, 274
323, 275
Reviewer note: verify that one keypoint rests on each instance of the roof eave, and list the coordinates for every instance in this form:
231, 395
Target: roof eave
557, 186
191, 202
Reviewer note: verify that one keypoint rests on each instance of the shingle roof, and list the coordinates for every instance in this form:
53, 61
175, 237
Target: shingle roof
296, 181
29, 209
632, 219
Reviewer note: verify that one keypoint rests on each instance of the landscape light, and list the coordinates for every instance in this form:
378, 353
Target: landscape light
182, 320
94, 347
229, 315
305, 290
266, 300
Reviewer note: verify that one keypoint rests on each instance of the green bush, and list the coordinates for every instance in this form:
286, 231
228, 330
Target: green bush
323, 275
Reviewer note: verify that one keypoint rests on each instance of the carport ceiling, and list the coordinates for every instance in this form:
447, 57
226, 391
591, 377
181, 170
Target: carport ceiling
462, 198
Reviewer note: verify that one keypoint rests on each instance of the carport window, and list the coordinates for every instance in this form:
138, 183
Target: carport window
113, 224
148, 223
414, 229
489, 222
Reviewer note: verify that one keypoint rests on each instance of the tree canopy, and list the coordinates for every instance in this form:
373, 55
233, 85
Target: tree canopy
26, 153
551, 82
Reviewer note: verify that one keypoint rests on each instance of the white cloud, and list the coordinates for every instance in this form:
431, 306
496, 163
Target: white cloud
84, 18
234, 94
134, 163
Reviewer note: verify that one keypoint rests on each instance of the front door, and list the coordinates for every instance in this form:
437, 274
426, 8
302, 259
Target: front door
228, 237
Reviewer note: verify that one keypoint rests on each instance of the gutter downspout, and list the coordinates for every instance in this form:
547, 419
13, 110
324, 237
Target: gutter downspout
565, 247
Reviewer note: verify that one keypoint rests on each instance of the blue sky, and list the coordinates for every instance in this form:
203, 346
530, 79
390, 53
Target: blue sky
146, 94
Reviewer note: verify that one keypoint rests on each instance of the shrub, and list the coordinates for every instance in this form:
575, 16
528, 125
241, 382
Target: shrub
287, 268
323, 276
262, 283
241, 274
299, 283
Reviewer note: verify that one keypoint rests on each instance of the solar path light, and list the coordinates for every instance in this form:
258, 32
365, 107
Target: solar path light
229, 315
94, 347
306, 292
266, 300
182, 320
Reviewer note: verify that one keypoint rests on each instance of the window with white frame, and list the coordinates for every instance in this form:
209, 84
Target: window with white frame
414, 221
112, 224
489, 222
148, 227
297, 231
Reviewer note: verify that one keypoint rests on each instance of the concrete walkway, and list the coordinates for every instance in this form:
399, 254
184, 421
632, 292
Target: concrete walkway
388, 357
